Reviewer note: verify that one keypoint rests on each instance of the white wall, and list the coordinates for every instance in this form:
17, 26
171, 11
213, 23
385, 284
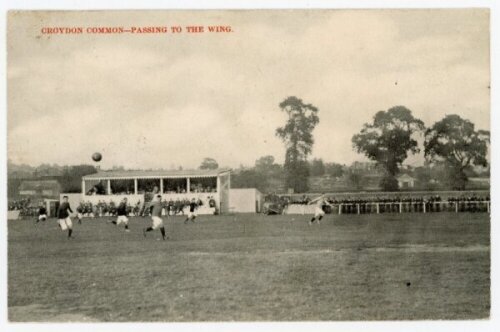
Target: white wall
73, 199
94, 199
13, 215
259, 197
243, 200
300, 209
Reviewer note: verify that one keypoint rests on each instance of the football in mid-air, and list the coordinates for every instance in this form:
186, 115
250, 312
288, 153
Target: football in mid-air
97, 156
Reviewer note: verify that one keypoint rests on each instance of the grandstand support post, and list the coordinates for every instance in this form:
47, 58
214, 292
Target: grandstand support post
357, 205
83, 187
109, 187
456, 207
340, 208
136, 187
161, 186
488, 206
425, 205
188, 185
378, 208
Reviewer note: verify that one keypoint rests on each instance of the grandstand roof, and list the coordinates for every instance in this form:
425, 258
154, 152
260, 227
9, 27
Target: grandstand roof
197, 173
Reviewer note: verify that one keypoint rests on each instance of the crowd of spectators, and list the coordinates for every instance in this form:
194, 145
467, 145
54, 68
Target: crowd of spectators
194, 188
349, 204
385, 204
171, 207
25, 206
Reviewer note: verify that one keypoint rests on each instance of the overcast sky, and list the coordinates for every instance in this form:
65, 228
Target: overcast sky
165, 100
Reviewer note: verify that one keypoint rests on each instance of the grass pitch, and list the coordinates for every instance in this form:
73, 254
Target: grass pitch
253, 268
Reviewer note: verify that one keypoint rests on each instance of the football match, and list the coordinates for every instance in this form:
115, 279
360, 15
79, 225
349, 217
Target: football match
253, 174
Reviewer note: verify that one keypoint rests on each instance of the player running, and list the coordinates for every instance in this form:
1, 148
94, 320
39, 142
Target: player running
148, 205
79, 214
63, 216
156, 208
319, 211
192, 211
121, 212
42, 213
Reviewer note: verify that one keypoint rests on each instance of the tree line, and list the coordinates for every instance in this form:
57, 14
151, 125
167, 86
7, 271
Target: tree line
452, 142
452, 145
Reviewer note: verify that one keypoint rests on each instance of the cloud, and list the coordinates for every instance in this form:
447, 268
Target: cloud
159, 100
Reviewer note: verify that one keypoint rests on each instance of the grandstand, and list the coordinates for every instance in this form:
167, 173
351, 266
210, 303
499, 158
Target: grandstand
202, 185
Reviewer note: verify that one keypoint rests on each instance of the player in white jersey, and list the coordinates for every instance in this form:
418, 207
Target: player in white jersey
319, 211
148, 205
156, 212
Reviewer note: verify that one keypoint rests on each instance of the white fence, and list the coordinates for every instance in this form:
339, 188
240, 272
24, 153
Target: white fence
395, 207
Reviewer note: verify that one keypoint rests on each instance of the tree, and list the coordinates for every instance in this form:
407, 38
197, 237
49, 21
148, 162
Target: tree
355, 179
71, 178
334, 170
317, 167
423, 175
249, 178
266, 165
455, 142
298, 139
388, 140
209, 163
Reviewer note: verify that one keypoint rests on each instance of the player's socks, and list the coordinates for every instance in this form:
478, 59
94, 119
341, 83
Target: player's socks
70, 231
149, 229
126, 226
162, 230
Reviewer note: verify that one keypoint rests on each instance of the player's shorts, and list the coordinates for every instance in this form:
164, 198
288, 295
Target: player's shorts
79, 215
157, 222
318, 212
122, 220
42, 217
65, 223
192, 215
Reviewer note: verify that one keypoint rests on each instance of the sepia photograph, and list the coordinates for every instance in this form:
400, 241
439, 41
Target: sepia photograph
248, 165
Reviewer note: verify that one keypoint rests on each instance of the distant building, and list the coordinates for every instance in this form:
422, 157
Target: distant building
478, 183
364, 165
405, 181
39, 189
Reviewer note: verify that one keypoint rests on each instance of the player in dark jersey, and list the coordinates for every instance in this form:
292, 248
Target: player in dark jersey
122, 213
63, 216
156, 209
42, 213
192, 211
